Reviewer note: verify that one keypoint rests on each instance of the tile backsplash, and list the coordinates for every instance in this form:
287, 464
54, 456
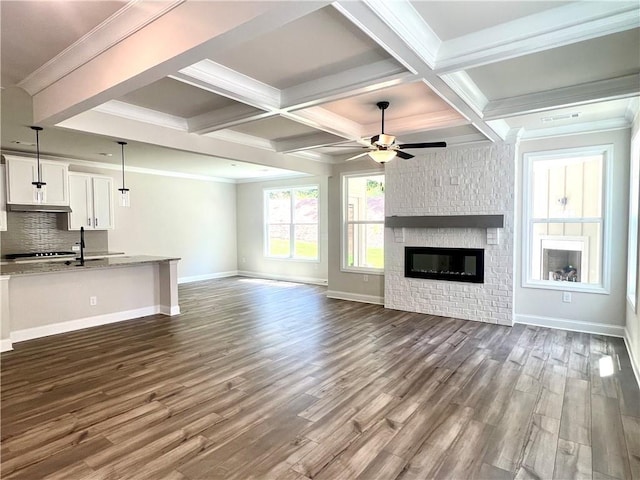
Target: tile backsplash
40, 232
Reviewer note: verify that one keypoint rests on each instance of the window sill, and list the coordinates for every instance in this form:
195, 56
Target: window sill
567, 287
361, 270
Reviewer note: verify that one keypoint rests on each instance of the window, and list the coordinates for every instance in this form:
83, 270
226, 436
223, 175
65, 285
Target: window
634, 203
291, 223
564, 219
363, 223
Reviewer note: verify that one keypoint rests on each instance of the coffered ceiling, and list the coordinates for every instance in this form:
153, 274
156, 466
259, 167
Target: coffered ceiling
291, 87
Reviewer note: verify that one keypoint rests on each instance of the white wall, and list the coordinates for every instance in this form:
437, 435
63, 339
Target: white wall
176, 217
601, 313
251, 259
632, 333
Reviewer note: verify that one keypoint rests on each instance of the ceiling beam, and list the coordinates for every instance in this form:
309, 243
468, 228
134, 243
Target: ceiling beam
196, 30
221, 80
572, 23
129, 129
610, 89
226, 117
373, 18
349, 83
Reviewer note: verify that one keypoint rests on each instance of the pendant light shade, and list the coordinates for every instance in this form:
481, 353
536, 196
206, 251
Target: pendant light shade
382, 156
39, 193
124, 192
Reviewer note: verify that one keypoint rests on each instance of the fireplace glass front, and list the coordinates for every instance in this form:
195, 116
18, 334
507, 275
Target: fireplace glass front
450, 264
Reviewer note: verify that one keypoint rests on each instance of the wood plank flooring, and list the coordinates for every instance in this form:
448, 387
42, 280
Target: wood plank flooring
271, 380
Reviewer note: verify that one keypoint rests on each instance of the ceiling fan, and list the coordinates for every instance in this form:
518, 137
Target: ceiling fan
384, 147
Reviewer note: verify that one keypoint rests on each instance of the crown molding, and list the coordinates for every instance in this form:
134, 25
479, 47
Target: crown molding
576, 128
419, 123
576, 22
225, 118
117, 167
224, 81
241, 138
466, 88
406, 22
323, 119
134, 16
142, 114
610, 89
349, 83
633, 110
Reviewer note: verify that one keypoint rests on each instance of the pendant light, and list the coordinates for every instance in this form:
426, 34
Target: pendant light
39, 194
124, 192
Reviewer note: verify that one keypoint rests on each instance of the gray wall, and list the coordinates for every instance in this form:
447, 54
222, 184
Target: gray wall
586, 309
176, 217
347, 284
251, 259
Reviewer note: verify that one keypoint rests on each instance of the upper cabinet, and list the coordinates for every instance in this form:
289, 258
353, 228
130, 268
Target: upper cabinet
91, 202
3, 201
21, 172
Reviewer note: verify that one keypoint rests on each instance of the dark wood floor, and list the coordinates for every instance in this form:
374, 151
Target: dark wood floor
271, 380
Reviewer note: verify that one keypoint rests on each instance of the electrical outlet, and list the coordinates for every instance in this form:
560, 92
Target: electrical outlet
75, 248
93, 301
365, 278
566, 297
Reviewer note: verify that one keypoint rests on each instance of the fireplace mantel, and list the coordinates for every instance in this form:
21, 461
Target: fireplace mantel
445, 221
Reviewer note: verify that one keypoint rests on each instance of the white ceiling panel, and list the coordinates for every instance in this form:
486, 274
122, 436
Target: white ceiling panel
35, 31
454, 19
597, 59
317, 45
176, 98
274, 128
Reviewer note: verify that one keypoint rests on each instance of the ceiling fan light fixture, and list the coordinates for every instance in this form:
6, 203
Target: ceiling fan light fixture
386, 140
382, 156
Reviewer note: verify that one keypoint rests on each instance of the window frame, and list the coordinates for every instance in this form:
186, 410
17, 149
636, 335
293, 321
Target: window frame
292, 224
529, 158
344, 241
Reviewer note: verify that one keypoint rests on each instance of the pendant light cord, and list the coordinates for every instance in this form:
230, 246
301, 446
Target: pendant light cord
123, 189
39, 183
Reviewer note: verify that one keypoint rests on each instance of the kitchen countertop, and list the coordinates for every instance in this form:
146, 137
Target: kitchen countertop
35, 268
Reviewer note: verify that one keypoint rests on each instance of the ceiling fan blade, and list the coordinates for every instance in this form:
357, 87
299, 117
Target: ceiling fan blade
423, 145
404, 155
356, 156
374, 139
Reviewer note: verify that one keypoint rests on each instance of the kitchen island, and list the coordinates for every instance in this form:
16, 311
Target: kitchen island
46, 298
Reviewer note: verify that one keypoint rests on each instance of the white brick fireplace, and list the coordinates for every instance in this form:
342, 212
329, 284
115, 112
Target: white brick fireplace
456, 181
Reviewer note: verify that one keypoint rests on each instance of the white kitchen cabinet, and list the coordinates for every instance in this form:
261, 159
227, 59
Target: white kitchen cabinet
22, 171
91, 202
3, 201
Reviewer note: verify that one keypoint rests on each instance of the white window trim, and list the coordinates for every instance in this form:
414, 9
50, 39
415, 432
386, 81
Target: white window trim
343, 223
265, 225
527, 221
633, 243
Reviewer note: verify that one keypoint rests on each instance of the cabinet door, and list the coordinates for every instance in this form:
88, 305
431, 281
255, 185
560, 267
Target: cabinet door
55, 176
20, 173
102, 203
80, 201
3, 201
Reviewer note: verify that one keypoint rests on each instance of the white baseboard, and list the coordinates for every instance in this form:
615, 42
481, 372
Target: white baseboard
635, 362
170, 311
79, 324
283, 278
208, 276
356, 297
6, 345
572, 325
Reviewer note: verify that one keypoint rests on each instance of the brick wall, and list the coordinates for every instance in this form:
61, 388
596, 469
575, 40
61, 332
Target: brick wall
455, 181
